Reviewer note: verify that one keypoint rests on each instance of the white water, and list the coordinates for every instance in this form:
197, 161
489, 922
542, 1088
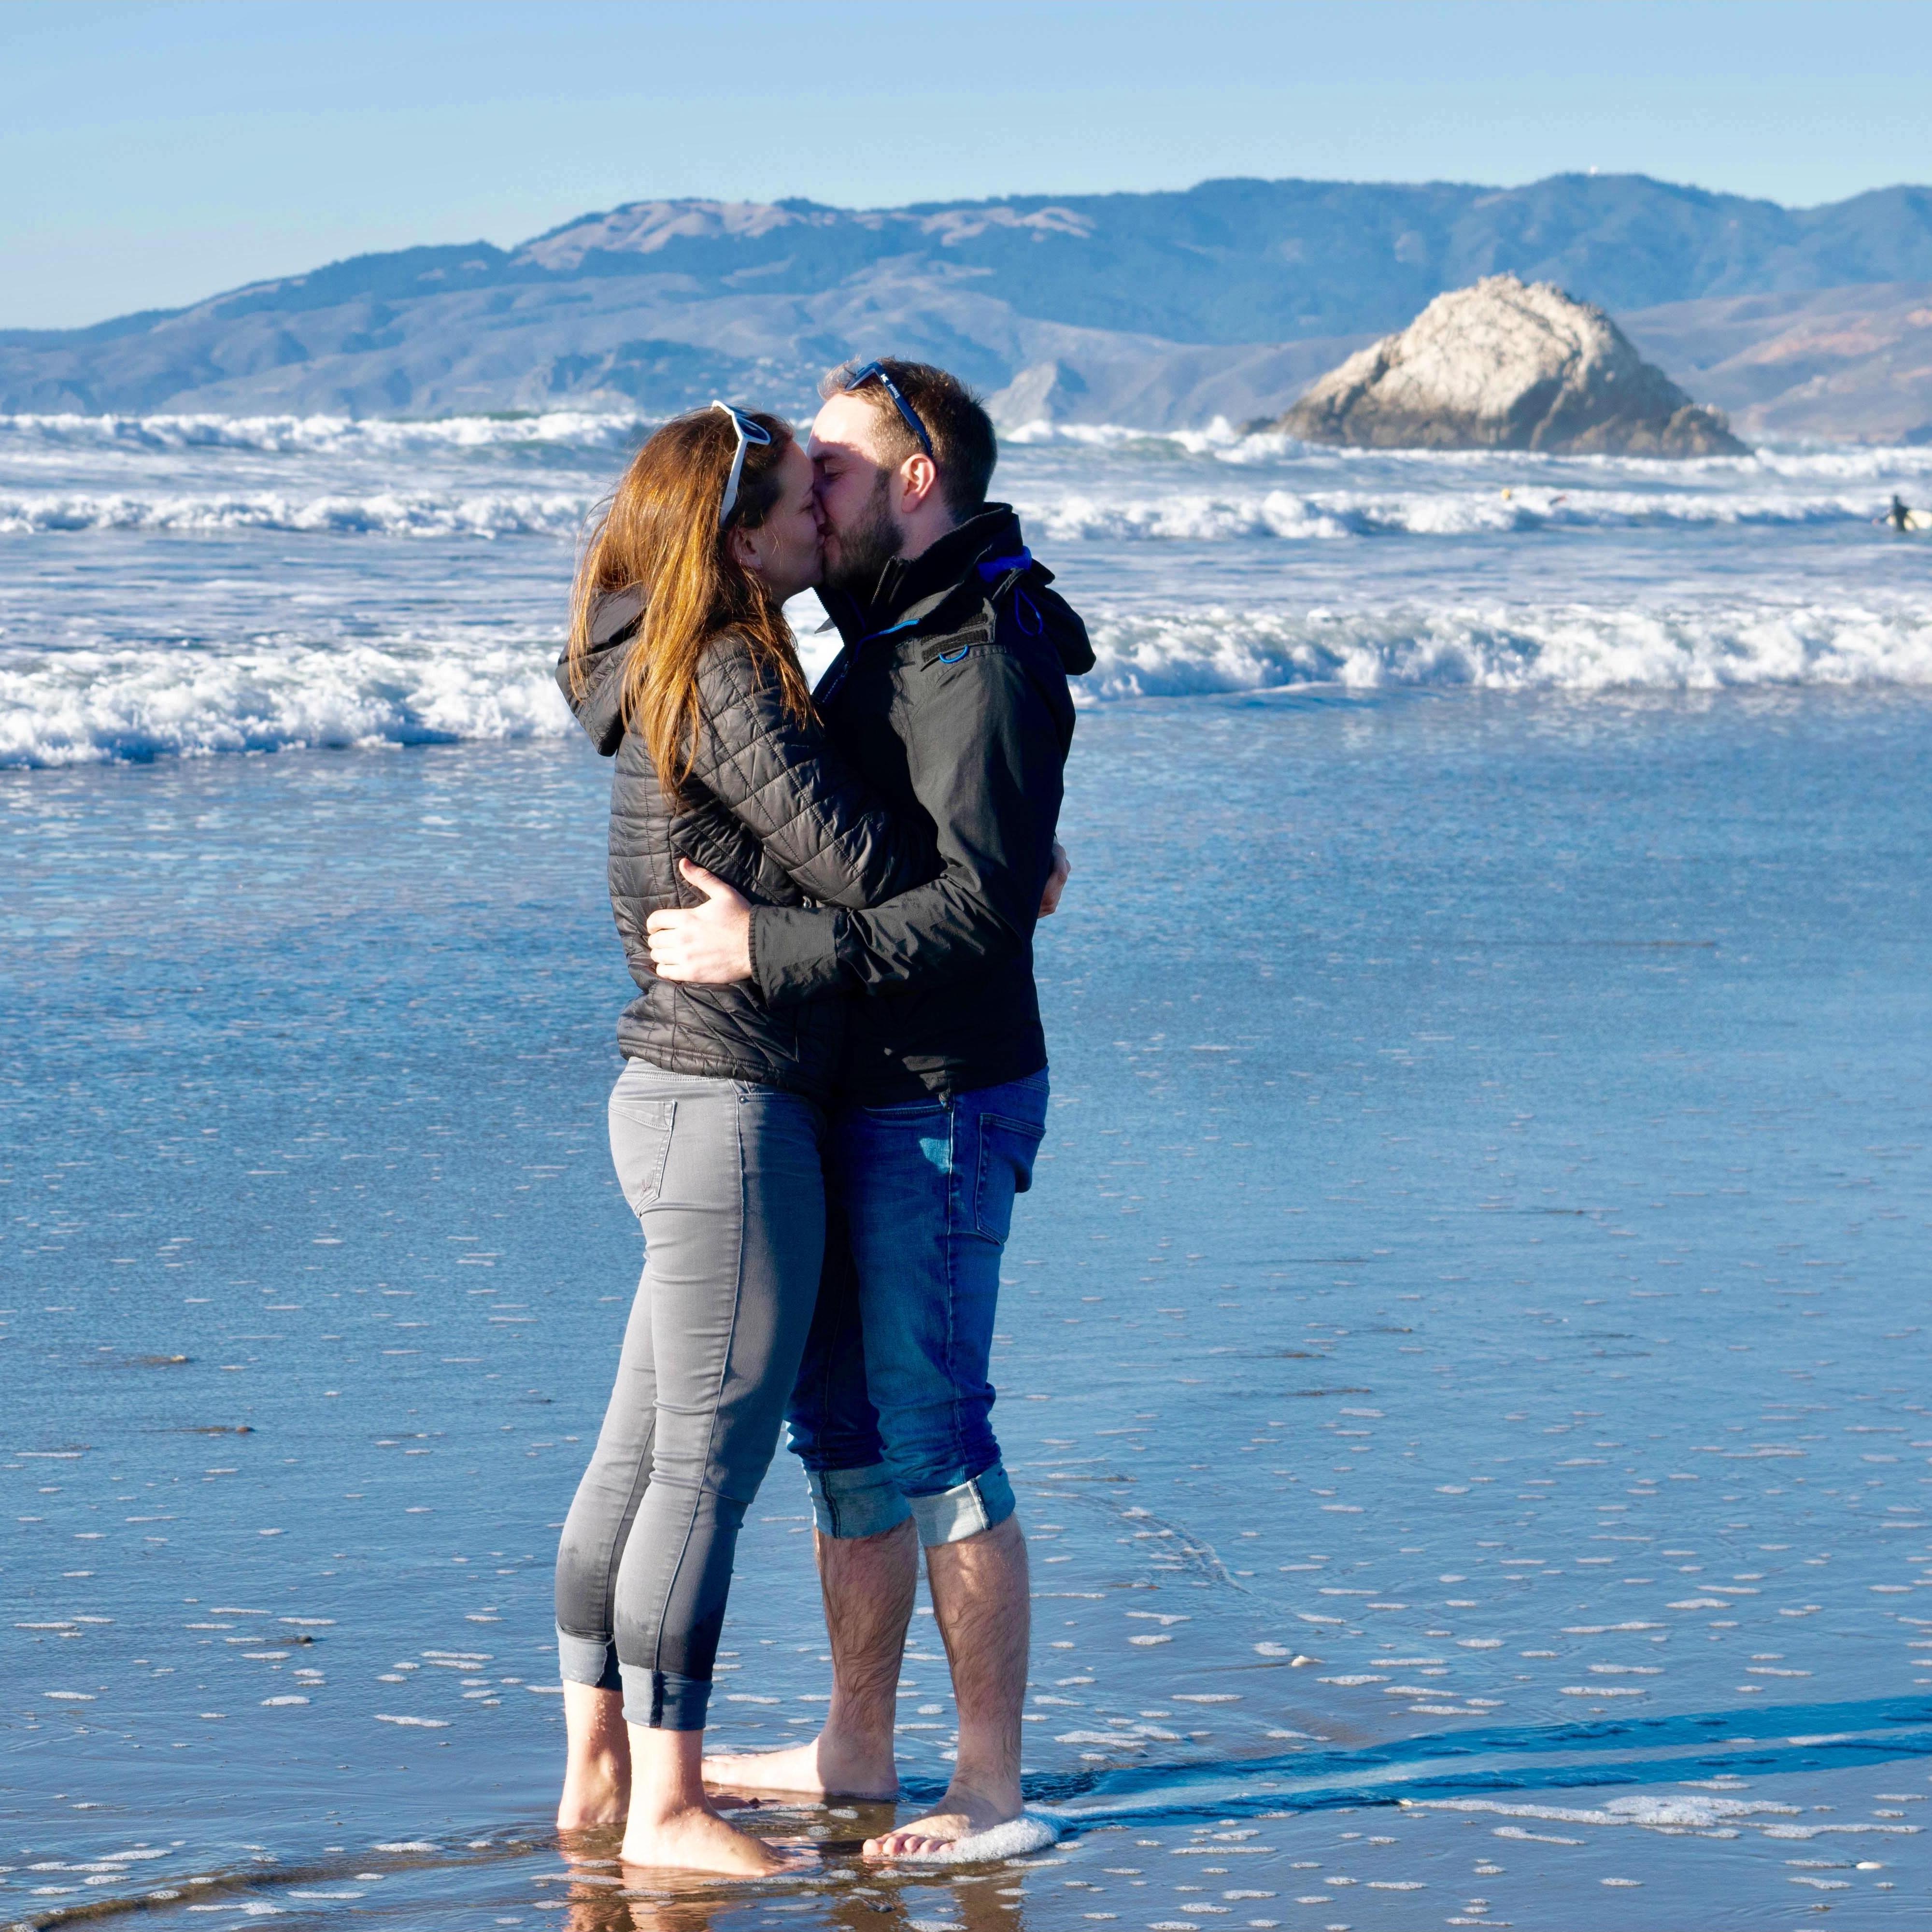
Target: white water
200, 584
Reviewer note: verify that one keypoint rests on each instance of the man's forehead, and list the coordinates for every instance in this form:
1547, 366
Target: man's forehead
844, 424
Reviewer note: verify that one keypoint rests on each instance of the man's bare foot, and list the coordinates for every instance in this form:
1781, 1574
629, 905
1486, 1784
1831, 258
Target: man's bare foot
697, 1840
962, 1813
823, 1768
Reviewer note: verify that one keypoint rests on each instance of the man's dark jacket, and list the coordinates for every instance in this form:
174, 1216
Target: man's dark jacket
950, 698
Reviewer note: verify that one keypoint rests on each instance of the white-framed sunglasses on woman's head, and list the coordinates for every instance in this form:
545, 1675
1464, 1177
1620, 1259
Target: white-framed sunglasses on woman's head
749, 432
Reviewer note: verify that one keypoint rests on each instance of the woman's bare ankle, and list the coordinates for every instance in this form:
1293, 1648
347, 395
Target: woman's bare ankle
597, 1764
596, 1791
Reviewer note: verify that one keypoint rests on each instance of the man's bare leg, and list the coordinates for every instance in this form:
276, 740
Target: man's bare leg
981, 1599
672, 1825
597, 1769
869, 1583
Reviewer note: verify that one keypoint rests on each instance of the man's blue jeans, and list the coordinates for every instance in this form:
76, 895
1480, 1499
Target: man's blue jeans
890, 1412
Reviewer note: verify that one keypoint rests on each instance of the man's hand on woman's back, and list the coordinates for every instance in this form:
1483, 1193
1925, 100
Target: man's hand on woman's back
707, 945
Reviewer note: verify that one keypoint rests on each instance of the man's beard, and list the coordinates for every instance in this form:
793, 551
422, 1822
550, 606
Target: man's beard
865, 549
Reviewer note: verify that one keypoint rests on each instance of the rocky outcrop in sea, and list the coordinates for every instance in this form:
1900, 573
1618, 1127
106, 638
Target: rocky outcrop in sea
1508, 364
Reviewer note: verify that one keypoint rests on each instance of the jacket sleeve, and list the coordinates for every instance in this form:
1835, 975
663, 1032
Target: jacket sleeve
785, 784
985, 758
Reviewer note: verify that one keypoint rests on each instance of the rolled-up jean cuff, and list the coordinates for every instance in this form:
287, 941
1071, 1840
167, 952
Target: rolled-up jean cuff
848, 1503
588, 1660
663, 1701
982, 1502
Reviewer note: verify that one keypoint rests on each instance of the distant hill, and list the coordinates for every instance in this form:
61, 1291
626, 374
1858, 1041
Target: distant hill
1156, 309
1853, 362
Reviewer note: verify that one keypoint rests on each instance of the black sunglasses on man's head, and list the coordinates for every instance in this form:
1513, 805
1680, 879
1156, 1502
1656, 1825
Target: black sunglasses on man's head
876, 372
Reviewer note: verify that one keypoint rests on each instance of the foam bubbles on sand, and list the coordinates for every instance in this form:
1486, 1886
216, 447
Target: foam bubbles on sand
1028, 1832
1671, 1813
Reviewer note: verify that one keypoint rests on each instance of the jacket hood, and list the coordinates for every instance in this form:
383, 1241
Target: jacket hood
599, 706
984, 562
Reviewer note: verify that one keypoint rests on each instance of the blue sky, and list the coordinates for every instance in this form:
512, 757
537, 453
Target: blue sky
157, 153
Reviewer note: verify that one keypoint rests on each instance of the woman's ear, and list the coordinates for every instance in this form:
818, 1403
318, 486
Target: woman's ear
744, 547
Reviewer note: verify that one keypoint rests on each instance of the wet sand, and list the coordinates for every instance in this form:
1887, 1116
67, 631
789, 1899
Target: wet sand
1479, 1249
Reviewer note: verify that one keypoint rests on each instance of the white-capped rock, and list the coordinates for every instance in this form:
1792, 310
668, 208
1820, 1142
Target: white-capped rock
1508, 364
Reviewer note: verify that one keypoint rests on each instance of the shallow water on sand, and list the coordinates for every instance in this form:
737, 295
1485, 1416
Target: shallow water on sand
1463, 1366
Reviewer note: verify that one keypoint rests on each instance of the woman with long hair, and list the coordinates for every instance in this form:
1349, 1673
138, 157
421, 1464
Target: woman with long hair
680, 666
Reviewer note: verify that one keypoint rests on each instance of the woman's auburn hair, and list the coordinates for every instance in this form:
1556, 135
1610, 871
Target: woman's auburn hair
659, 536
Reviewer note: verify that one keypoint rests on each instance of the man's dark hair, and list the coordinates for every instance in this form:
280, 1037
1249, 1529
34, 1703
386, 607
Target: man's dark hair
965, 449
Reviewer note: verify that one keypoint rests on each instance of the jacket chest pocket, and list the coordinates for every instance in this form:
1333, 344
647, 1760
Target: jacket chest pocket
641, 1133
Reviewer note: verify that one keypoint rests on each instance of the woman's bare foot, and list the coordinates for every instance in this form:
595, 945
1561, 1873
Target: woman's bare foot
697, 1840
673, 1826
597, 1769
826, 1768
962, 1813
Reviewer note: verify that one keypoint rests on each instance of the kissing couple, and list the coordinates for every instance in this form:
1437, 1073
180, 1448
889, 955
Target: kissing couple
835, 1083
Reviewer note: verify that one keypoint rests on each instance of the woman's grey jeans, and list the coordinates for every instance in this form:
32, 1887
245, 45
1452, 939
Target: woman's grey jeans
725, 1177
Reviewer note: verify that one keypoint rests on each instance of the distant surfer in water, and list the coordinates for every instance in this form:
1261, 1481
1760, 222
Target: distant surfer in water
1902, 517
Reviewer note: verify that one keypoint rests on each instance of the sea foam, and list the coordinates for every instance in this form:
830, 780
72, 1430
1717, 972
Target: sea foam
1708, 645
319, 435
270, 693
90, 707
378, 513
201, 584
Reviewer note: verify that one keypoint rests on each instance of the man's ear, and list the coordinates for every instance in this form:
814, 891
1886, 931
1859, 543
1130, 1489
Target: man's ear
919, 477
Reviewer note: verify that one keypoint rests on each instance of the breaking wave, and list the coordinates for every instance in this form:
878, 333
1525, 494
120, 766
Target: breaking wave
1183, 517
90, 705
195, 628
322, 435
1701, 646
386, 513
1314, 515
94, 706
1221, 442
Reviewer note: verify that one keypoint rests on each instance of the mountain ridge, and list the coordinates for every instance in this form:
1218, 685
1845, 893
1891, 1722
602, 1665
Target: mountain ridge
1090, 300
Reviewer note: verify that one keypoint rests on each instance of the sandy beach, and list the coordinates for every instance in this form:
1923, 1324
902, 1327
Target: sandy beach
1495, 1282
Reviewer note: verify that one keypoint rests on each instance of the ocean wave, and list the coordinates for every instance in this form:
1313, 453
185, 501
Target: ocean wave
323, 435
94, 704
1704, 646
1221, 441
1218, 441
98, 707
381, 513
1076, 516
1314, 515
